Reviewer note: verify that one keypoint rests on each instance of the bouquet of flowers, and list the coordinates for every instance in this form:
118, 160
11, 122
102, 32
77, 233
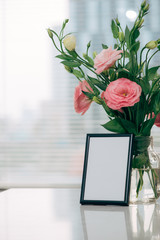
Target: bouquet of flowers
121, 81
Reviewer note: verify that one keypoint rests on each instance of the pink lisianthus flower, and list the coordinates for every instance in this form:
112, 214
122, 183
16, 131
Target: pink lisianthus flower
157, 121
81, 101
122, 93
102, 96
106, 58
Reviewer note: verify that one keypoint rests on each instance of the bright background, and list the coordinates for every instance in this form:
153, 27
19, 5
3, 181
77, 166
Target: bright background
42, 139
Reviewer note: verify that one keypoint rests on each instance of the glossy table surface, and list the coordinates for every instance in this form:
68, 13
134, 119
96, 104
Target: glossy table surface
55, 214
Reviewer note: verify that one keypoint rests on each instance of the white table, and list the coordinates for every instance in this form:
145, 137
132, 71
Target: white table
55, 214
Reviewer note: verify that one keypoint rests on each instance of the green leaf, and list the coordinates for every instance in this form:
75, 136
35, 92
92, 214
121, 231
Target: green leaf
72, 53
114, 126
116, 46
127, 33
133, 65
152, 72
140, 110
128, 126
154, 103
113, 76
135, 34
141, 68
89, 59
123, 73
78, 73
64, 57
146, 126
104, 46
71, 64
88, 94
70, 33
139, 161
128, 66
158, 47
145, 86
115, 29
95, 90
135, 47
96, 82
111, 70
127, 54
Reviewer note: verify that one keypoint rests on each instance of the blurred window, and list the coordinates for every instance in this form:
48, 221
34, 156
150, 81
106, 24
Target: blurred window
42, 139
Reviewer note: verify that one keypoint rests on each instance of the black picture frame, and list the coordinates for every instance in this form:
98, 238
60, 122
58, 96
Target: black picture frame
107, 169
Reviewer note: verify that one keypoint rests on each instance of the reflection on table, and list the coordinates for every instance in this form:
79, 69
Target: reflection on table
133, 222
38, 214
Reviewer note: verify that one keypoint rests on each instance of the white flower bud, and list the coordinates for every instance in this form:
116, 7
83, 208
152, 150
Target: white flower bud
70, 42
151, 44
121, 36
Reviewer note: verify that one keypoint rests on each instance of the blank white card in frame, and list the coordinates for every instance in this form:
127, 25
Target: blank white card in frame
106, 168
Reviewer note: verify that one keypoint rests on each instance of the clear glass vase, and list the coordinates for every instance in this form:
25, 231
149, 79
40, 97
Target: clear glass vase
145, 176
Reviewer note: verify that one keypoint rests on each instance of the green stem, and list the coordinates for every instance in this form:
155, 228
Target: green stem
152, 56
137, 119
56, 45
154, 175
152, 183
81, 71
61, 46
89, 67
84, 62
121, 28
141, 56
152, 88
130, 115
123, 56
147, 64
54, 33
140, 182
106, 108
125, 116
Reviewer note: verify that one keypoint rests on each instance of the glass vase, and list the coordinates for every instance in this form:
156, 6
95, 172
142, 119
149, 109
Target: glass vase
145, 176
